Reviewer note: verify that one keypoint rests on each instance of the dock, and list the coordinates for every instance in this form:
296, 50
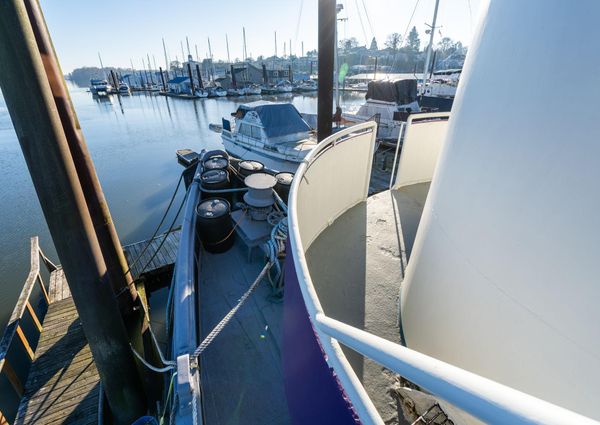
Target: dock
47, 373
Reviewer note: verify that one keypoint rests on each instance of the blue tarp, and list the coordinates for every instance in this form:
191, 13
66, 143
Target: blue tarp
178, 80
278, 119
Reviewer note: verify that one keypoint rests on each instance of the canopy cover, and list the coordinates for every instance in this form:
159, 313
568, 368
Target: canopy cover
401, 92
278, 119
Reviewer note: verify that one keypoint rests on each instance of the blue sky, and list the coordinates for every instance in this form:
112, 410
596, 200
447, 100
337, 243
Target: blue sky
121, 30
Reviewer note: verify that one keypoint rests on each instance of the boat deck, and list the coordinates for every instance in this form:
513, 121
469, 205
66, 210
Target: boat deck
357, 265
242, 377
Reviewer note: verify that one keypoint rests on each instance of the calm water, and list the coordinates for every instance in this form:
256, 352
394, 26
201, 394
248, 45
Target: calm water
133, 146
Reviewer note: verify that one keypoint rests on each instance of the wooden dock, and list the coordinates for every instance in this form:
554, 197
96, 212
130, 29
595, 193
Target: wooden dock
62, 383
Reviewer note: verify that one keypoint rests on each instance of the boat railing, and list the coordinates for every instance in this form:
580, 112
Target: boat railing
326, 180
22, 334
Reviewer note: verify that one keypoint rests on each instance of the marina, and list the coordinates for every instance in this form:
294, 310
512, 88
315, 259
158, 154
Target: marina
356, 234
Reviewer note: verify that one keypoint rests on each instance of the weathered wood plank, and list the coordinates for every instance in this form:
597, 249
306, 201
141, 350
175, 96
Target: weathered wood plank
34, 317
165, 257
62, 386
24, 341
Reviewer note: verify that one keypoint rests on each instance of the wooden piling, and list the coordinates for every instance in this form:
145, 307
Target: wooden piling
71, 200
327, 24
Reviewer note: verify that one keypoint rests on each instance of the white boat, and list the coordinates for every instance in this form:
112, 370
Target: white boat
272, 133
233, 91
308, 86
283, 87
124, 89
201, 92
252, 89
388, 103
100, 87
216, 91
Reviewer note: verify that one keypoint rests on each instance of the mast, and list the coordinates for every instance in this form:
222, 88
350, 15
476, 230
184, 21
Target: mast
197, 56
212, 64
245, 51
275, 43
182, 54
188, 47
101, 65
338, 9
149, 70
430, 46
227, 44
327, 21
166, 58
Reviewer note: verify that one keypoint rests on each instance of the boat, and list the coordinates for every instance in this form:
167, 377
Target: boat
389, 103
233, 91
252, 89
307, 86
283, 87
201, 92
438, 93
273, 133
124, 89
216, 91
100, 88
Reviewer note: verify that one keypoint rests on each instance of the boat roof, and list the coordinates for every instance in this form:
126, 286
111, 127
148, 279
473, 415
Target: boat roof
278, 119
178, 80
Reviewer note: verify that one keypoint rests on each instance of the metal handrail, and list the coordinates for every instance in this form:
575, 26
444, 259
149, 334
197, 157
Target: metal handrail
488, 400
479, 396
14, 325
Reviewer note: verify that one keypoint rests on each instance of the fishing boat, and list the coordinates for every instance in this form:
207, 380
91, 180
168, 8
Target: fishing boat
273, 133
389, 103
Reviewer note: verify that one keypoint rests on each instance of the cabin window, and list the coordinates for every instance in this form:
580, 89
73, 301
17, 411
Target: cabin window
244, 129
255, 132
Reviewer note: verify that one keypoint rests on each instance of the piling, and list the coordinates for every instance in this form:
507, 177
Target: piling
162, 77
71, 200
327, 24
189, 67
199, 76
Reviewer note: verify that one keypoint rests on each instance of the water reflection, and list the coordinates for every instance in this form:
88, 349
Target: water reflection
132, 140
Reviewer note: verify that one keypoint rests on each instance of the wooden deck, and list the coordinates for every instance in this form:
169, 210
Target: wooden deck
63, 385
149, 263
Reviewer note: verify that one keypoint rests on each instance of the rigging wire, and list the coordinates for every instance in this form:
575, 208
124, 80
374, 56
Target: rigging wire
362, 25
298, 23
368, 19
406, 31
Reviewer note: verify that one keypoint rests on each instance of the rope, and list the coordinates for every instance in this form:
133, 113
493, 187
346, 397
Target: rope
162, 417
167, 368
237, 223
225, 321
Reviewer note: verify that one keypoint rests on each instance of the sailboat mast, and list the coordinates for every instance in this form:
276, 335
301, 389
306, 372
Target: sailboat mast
430, 46
245, 51
182, 54
338, 9
187, 42
227, 44
212, 63
275, 43
166, 58
197, 55
101, 65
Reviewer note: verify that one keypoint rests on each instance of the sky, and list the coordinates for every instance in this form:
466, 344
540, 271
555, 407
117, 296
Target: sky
129, 30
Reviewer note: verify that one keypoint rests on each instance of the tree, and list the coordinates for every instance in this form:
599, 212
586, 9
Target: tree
413, 42
373, 45
445, 44
393, 41
348, 43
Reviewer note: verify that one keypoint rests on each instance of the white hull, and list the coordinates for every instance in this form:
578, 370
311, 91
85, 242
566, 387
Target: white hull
244, 152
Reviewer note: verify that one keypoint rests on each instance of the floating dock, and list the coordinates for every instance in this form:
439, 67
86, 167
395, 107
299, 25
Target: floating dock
46, 366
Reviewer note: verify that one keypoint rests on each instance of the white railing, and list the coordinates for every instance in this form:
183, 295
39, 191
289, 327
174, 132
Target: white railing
333, 178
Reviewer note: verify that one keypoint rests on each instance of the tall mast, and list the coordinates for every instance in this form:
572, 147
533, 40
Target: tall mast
212, 63
275, 43
188, 46
430, 46
290, 46
227, 44
338, 9
245, 51
101, 65
197, 56
166, 58
182, 53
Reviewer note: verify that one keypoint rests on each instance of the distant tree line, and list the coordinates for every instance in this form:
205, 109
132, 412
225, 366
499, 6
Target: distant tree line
398, 55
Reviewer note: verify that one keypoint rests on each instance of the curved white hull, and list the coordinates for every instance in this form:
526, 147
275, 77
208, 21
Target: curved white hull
256, 154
